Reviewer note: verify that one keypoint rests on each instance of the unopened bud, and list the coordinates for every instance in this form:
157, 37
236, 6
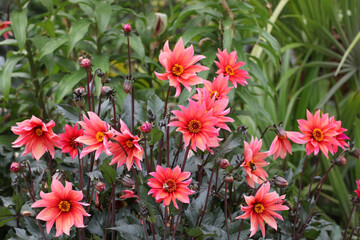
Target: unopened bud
85, 63
100, 187
280, 182
146, 127
224, 163
127, 28
355, 153
106, 91
26, 213
161, 24
15, 167
128, 85
340, 161
80, 59
229, 179
127, 182
79, 93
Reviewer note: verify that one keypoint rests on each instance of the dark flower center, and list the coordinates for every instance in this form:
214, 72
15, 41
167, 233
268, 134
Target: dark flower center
169, 185
318, 134
259, 208
38, 131
251, 165
73, 143
129, 143
229, 70
194, 126
64, 206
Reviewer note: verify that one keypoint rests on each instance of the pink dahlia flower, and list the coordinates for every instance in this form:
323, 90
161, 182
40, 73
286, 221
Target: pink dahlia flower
229, 67
128, 194
254, 162
217, 89
61, 206
340, 137
196, 124
4, 25
262, 207
319, 133
281, 145
170, 185
130, 144
96, 135
180, 66
358, 190
67, 140
37, 137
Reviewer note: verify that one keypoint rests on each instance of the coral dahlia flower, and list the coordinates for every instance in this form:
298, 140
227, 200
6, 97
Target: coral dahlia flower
254, 162
281, 145
180, 66
4, 25
217, 89
130, 144
319, 133
37, 137
67, 140
61, 206
358, 190
229, 67
196, 124
262, 207
170, 185
96, 135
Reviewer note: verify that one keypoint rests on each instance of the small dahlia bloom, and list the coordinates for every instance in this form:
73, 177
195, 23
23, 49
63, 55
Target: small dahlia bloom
180, 66
196, 124
4, 25
358, 190
254, 162
130, 144
262, 207
340, 137
37, 137
96, 135
281, 145
169, 185
217, 89
229, 67
61, 206
67, 140
319, 133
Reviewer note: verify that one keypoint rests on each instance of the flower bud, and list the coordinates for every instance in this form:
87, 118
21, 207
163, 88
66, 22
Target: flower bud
340, 161
100, 187
161, 24
85, 63
355, 153
127, 28
106, 91
79, 93
224, 163
80, 59
128, 85
280, 182
229, 179
146, 127
127, 182
15, 167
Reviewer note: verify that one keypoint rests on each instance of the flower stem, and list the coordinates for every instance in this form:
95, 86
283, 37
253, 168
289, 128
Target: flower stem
312, 178
165, 221
348, 222
147, 163
108, 214
177, 222
185, 157
226, 222
239, 234
168, 144
88, 76
81, 176
113, 233
114, 108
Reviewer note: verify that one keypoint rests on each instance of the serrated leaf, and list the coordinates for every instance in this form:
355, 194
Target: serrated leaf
77, 32
19, 23
52, 45
69, 112
6, 75
102, 15
108, 173
67, 84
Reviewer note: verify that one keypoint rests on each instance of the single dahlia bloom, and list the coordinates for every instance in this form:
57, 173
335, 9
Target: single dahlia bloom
229, 67
130, 150
61, 206
254, 162
4, 25
37, 137
218, 89
67, 140
196, 124
180, 66
319, 133
281, 145
340, 137
169, 185
358, 190
262, 207
96, 135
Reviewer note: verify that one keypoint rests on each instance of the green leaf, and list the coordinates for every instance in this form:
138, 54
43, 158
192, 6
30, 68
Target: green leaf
5, 216
77, 32
7, 139
195, 232
70, 113
19, 23
8, 42
228, 34
195, 31
232, 142
52, 45
109, 173
102, 15
18, 199
6, 75
136, 44
67, 84
102, 62
156, 105
155, 136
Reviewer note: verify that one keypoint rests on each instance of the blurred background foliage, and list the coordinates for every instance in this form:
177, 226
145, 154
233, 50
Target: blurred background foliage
300, 55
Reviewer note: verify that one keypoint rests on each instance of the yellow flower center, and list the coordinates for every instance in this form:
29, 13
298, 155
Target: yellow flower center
214, 94
251, 165
64, 206
259, 208
169, 185
229, 70
194, 126
100, 136
38, 131
318, 135
129, 143
177, 69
